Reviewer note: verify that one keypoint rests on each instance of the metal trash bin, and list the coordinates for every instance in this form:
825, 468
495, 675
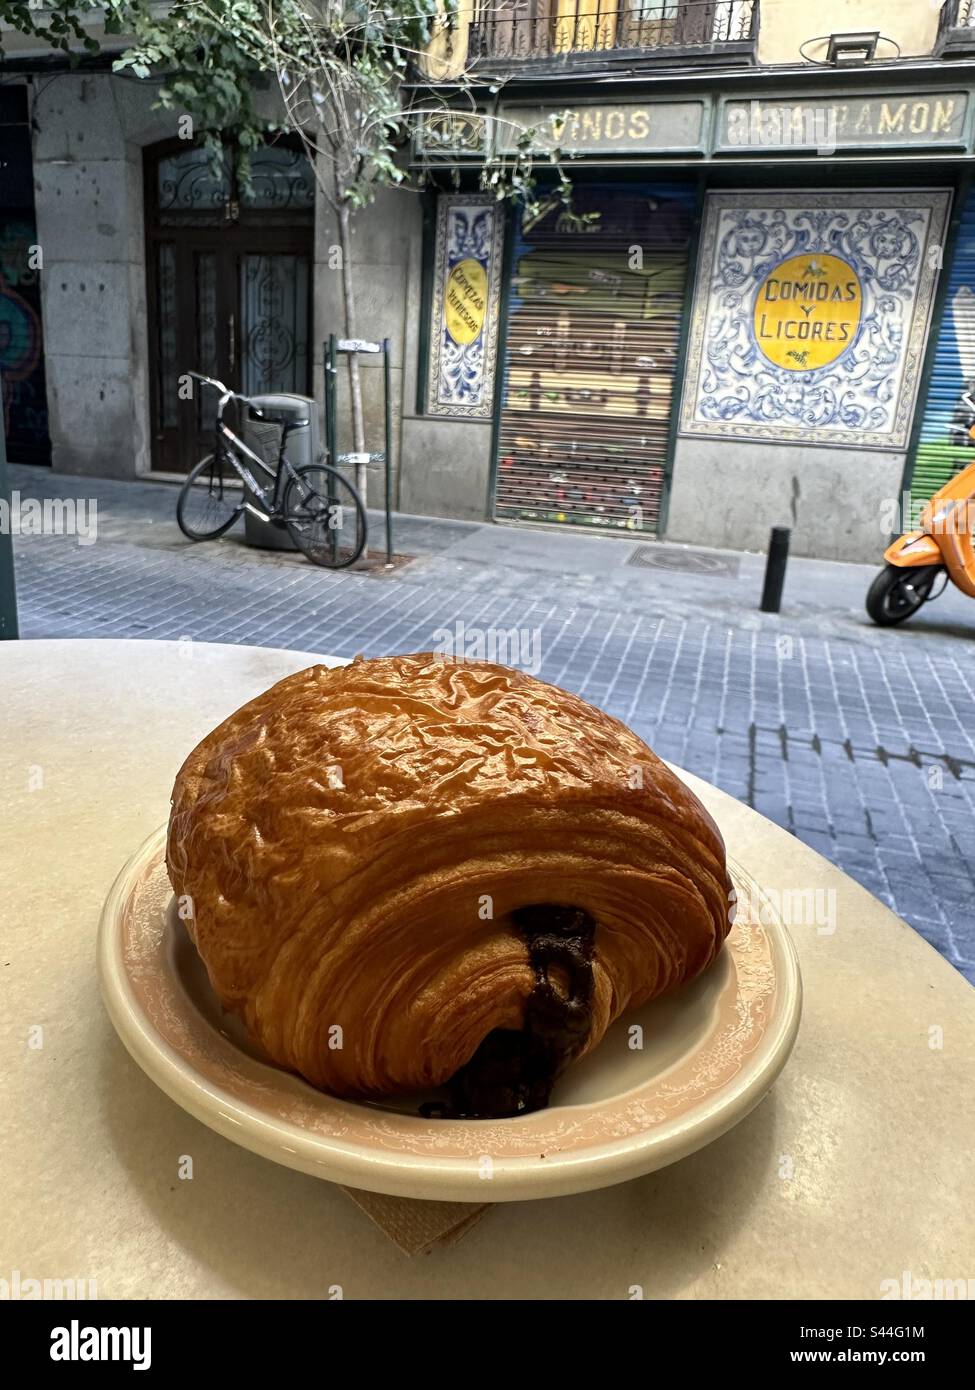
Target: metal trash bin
265, 439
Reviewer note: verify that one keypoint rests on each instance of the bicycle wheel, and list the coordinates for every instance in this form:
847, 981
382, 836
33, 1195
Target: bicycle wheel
208, 503
325, 516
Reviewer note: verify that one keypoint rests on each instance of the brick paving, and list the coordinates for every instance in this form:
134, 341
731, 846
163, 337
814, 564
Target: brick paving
859, 741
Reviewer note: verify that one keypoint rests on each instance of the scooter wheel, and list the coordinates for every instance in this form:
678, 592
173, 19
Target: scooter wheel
897, 593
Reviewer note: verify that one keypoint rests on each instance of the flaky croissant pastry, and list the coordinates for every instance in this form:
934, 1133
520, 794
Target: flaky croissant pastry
409, 872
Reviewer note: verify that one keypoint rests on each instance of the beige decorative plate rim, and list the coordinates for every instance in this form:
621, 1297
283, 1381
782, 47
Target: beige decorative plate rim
749, 1012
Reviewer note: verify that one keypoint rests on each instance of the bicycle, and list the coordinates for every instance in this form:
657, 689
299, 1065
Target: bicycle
321, 509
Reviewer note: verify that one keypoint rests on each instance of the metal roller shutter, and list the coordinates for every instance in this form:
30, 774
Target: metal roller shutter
593, 329
943, 444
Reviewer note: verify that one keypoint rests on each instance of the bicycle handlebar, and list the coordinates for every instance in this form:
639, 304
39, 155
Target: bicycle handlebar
226, 394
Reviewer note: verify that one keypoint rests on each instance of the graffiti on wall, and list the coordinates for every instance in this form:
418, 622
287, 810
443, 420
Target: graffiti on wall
21, 360
810, 315
945, 445
464, 330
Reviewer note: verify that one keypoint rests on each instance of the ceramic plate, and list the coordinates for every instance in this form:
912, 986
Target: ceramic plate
709, 1054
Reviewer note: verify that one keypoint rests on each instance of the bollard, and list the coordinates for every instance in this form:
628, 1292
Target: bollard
778, 554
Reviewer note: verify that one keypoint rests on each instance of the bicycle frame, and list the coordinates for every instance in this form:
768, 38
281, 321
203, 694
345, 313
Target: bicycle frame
228, 442
235, 448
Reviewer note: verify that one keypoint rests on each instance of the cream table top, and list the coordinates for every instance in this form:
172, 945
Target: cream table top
856, 1167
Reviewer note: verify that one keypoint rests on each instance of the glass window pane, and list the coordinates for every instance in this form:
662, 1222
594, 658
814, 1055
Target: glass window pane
281, 178
274, 324
187, 182
166, 322
206, 332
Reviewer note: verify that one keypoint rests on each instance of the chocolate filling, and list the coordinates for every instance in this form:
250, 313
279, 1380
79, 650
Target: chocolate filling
513, 1070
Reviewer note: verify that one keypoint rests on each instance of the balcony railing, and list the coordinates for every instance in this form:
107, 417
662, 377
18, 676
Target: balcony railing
523, 30
956, 30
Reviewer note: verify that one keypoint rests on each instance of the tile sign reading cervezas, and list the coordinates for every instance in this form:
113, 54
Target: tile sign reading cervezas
464, 327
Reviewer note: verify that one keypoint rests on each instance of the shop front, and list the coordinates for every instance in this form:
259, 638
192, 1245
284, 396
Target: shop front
733, 326
944, 442
590, 357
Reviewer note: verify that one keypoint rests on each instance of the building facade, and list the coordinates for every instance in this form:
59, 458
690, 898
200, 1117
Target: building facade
757, 315
755, 311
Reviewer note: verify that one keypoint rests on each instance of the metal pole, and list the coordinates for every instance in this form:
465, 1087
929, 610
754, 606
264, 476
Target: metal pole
330, 369
8, 588
778, 554
331, 442
389, 458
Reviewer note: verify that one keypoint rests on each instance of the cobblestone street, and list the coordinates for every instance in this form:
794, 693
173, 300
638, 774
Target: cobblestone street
860, 741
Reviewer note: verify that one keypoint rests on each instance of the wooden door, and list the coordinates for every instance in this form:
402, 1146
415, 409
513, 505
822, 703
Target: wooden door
229, 279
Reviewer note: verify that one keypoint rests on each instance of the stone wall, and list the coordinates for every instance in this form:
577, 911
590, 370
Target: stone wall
729, 493
89, 133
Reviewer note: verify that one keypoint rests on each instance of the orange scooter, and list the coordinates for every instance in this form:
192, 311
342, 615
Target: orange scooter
943, 546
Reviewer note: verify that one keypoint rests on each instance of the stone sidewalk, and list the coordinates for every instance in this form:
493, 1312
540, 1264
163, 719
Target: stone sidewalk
859, 741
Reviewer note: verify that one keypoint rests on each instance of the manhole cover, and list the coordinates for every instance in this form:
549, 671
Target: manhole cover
658, 557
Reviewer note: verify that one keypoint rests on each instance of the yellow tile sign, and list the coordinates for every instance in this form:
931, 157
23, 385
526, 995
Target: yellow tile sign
464, 306
465, 300
807, 311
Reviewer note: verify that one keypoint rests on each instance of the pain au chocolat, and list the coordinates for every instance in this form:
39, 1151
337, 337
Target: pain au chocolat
410, 873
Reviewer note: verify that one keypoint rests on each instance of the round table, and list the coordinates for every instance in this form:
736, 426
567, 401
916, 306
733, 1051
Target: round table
855, 1168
